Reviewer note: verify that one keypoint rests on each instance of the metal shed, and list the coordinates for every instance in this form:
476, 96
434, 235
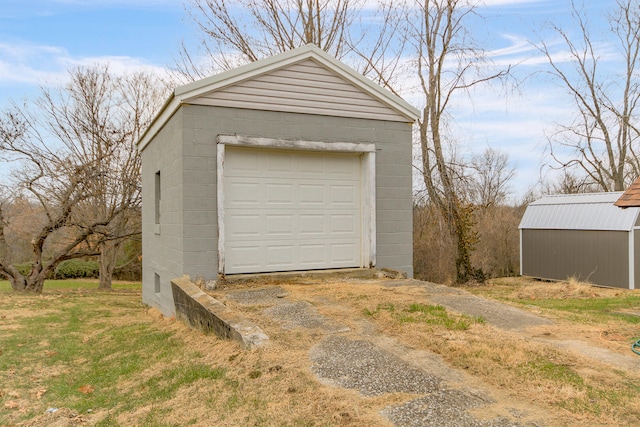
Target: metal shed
292, 163
583, 236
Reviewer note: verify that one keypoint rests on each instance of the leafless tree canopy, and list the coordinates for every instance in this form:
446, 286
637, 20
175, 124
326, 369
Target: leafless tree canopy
247, 30
78, 164
603, 140
490, 178
234, 33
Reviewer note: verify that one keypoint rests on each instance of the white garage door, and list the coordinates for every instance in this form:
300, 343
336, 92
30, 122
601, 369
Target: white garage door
291, 210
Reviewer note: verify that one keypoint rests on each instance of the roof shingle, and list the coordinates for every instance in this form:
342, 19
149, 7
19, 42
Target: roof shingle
631, 197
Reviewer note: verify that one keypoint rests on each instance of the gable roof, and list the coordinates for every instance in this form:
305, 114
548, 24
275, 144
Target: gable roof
595, 211
631, 197
269, 84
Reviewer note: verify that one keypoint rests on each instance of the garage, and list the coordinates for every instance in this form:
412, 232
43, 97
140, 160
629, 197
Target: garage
292, 163
291, 210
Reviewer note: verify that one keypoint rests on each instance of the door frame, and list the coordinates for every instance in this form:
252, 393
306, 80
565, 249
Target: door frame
367, 174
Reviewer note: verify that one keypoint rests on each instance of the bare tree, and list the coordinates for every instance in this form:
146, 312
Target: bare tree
447, 62
568, 182
491, 174
603, 138
78, 162
234, 33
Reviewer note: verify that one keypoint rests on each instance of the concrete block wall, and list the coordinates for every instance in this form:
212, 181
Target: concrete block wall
162, 247
188, 141
394, 203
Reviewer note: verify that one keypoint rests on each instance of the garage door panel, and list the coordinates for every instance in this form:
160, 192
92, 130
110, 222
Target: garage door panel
279, 194
344, 195
244, 257
343, 253
312, 194
342, 224
278, 163
293, 211
242, 193
312, 167
341, 167
312, 224
235, 165
279, 257
247, 225
279, 225
313, 255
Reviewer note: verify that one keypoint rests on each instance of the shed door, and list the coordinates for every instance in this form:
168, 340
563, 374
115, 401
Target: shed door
291, 210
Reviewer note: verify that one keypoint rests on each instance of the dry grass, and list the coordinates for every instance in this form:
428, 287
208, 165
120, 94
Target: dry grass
569, 387
274, 386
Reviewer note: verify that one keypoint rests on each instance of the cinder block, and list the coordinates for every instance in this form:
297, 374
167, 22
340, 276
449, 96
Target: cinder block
203, 312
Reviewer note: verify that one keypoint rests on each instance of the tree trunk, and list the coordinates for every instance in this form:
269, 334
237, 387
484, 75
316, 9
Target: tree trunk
466, 238
36, 285
18, 283
108, 258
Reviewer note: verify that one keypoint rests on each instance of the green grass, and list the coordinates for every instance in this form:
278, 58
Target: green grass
597, 309
68, 285
425, 313
64, 342
588, 310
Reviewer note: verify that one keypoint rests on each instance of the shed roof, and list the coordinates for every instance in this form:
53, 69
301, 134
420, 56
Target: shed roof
595, 211
281, 71
631, 196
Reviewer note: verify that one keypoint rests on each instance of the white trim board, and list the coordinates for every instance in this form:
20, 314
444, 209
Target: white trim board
368, 232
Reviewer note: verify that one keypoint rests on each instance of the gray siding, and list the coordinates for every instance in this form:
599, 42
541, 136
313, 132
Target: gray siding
304, 87
185, 153
600, 257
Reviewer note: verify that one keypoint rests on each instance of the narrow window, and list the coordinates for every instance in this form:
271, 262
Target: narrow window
157, 197
157, 282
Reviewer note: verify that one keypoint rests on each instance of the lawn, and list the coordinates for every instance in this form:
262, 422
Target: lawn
78, 355
75, 354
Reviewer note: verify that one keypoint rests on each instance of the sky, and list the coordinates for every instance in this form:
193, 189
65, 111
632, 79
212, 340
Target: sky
41, 39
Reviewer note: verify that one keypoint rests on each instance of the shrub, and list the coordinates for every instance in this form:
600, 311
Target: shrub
77, 268
24, 268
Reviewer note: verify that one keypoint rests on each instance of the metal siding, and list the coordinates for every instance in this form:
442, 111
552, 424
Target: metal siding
579, 212
599, 257
305, 87
580, 198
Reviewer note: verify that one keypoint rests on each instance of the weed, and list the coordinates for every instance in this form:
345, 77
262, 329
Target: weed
437, 315
386, 307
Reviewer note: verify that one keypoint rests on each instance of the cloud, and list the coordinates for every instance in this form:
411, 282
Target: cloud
31, 64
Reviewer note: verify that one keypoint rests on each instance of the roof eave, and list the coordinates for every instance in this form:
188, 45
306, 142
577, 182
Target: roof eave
168, 109
185, 93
